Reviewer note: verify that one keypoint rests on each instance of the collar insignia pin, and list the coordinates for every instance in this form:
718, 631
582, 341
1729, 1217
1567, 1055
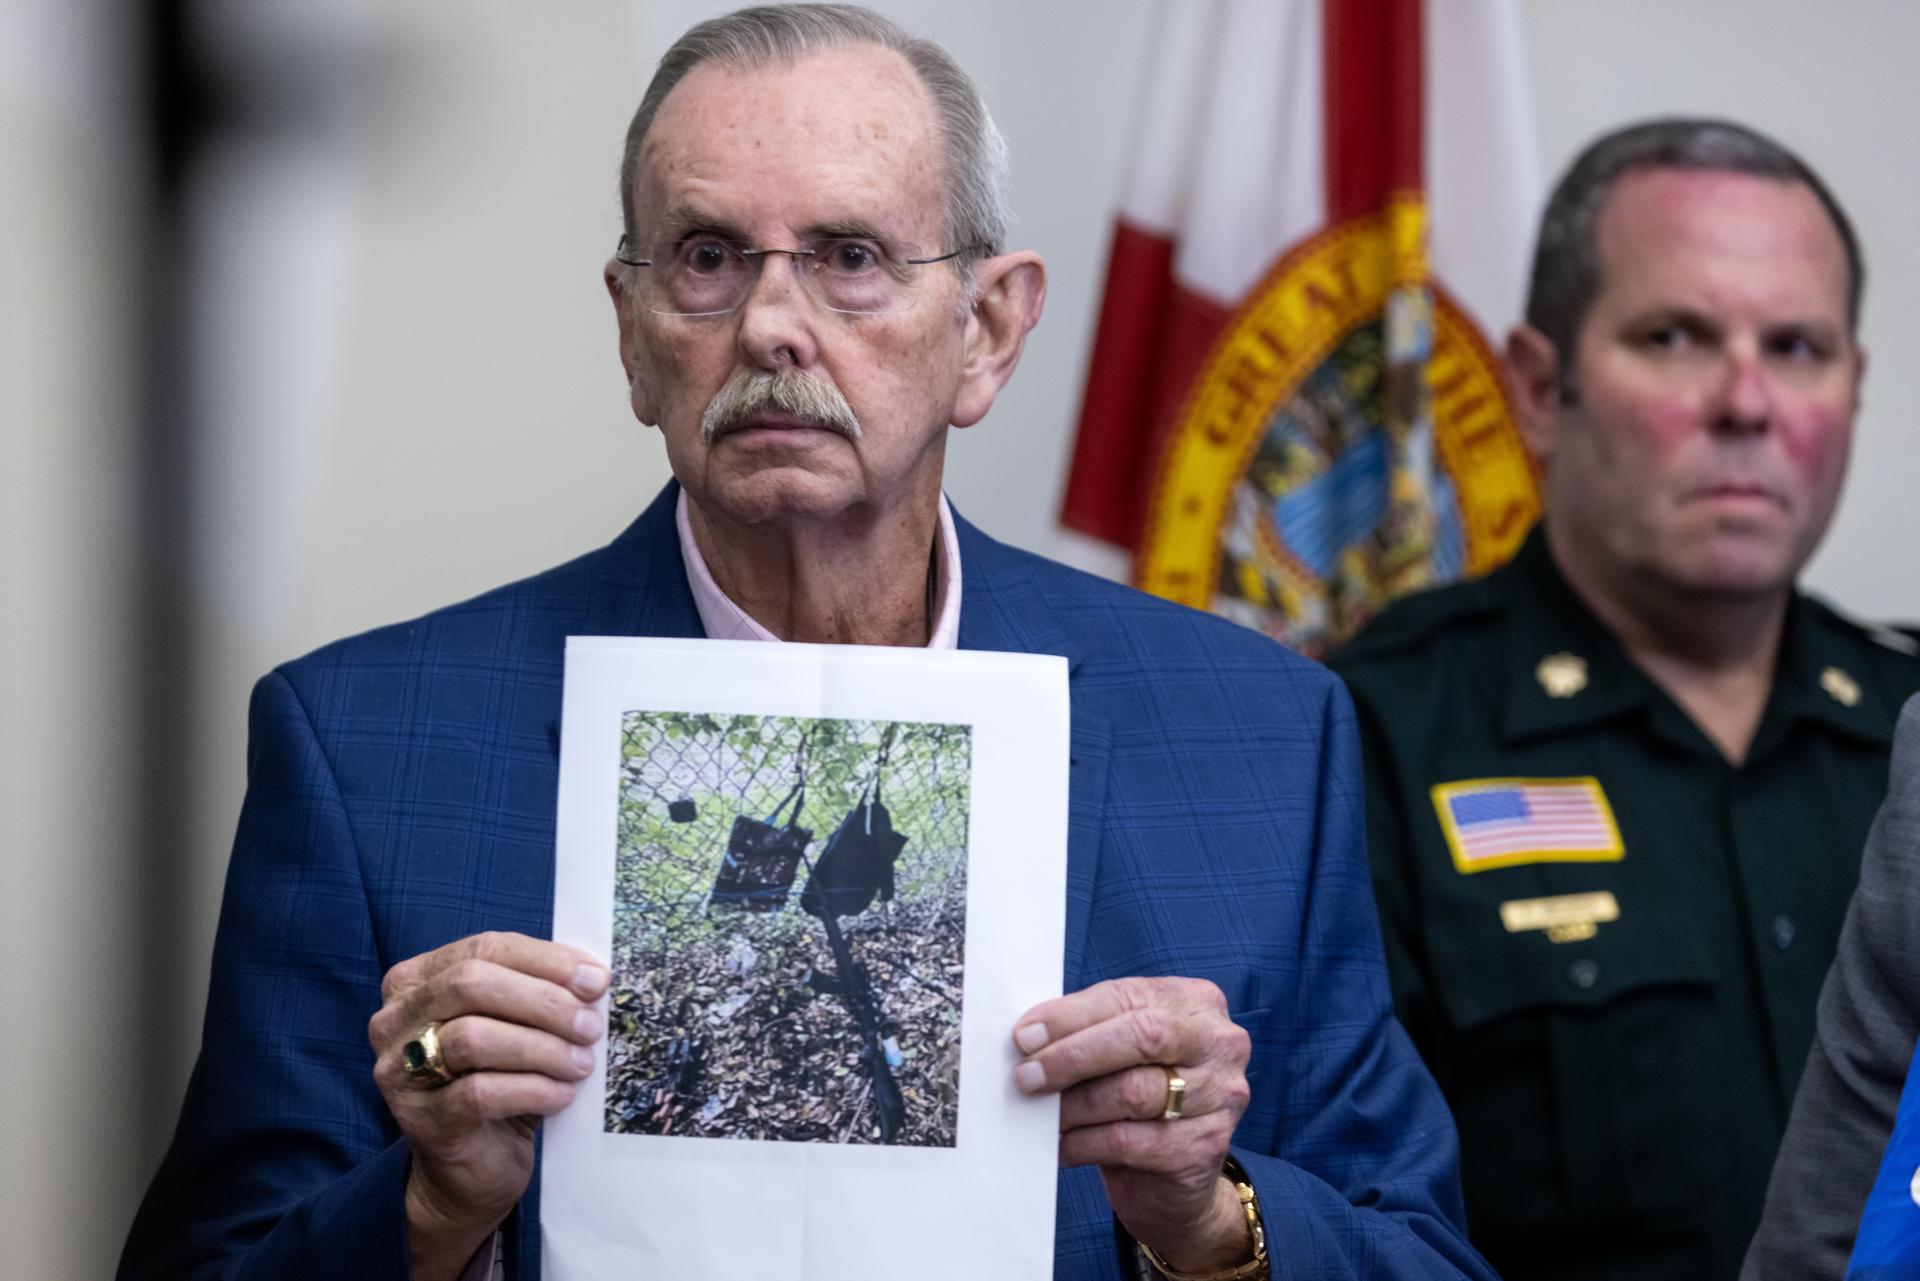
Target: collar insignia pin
1563, 675
1840, 687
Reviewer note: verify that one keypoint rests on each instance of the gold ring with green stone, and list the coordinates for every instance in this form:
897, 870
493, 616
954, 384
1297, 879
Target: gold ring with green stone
422, 1058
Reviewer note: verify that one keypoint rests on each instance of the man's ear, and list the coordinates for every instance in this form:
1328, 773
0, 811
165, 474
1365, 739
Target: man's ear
616, 275
1010, 291
1533, 380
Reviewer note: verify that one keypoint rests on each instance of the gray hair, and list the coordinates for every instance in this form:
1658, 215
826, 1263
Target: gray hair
976, 154
1566, 263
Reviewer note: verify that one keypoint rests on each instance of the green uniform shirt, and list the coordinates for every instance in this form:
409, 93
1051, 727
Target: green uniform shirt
1611, 964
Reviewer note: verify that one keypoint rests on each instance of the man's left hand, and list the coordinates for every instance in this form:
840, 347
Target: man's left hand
1109, 1052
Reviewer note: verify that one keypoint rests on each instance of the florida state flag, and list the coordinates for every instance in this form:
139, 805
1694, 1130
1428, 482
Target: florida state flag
1293, 411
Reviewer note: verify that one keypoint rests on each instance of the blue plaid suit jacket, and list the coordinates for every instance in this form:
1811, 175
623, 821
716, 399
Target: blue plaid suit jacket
401, 793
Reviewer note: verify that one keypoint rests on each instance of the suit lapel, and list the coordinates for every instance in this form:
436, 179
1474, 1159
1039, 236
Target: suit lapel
1000, 610
639, 585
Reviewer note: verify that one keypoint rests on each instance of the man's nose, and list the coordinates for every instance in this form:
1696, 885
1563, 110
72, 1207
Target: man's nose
1745, 402
777, 316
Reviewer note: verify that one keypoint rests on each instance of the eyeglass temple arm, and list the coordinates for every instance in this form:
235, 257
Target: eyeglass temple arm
951, 253
620, 256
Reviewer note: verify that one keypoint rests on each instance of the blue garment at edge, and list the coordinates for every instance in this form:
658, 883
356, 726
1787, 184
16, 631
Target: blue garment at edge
1888, 1245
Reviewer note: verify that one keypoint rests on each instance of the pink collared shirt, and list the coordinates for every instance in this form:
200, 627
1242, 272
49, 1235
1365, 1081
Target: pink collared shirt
724, 620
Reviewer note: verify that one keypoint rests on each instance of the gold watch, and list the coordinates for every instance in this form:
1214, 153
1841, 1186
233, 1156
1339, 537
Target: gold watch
1254, 1268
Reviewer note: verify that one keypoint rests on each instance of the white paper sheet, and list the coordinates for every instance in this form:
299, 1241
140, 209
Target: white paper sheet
652, 723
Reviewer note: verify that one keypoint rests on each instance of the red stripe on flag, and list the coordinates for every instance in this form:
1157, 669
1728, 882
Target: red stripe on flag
1372, 61
1532, 837
1151, 340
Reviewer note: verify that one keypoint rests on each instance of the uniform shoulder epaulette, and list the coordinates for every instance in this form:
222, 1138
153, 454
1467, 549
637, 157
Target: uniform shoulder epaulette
1901, 638
1411, 620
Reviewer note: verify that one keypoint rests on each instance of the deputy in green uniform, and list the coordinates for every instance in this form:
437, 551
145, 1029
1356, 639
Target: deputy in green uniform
1618, 789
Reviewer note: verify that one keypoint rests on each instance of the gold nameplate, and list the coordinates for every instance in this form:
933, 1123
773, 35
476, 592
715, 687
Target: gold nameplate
1567, 918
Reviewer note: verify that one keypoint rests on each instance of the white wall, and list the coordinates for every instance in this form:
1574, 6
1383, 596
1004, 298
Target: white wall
67, 930
422, 397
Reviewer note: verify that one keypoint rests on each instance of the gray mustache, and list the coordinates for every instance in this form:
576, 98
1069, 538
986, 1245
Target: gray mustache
753, 391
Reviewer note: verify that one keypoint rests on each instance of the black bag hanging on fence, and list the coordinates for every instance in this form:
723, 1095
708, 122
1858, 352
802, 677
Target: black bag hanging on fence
858, 862
763, 857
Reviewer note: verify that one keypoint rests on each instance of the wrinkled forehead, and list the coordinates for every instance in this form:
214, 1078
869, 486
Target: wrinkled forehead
846, 135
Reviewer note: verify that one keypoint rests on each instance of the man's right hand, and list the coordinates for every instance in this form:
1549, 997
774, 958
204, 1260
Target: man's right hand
515, 1019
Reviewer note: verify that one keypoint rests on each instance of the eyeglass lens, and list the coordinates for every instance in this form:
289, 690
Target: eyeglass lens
706, 275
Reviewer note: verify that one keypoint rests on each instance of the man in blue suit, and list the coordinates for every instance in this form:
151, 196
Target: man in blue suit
810, 291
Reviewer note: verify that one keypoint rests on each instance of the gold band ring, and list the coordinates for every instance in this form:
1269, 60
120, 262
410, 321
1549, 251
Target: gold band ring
1176, 1094
422, 1059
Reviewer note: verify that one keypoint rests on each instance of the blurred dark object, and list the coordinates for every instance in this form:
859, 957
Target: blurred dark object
858, 862
669, 1093
683, 810
851, 982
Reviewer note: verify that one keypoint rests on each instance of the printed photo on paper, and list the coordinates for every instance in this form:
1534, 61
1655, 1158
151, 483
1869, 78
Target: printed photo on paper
789, 928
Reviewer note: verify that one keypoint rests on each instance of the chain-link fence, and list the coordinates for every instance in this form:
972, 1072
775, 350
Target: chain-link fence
747, 1003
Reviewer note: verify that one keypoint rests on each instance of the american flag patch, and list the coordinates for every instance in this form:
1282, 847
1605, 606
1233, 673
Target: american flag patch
1503, 822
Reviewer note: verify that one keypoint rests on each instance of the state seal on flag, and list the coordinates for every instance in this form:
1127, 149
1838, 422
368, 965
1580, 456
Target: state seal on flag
1347, 440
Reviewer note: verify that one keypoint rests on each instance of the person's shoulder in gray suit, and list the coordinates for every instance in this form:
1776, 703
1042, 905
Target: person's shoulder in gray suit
1868, 1020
